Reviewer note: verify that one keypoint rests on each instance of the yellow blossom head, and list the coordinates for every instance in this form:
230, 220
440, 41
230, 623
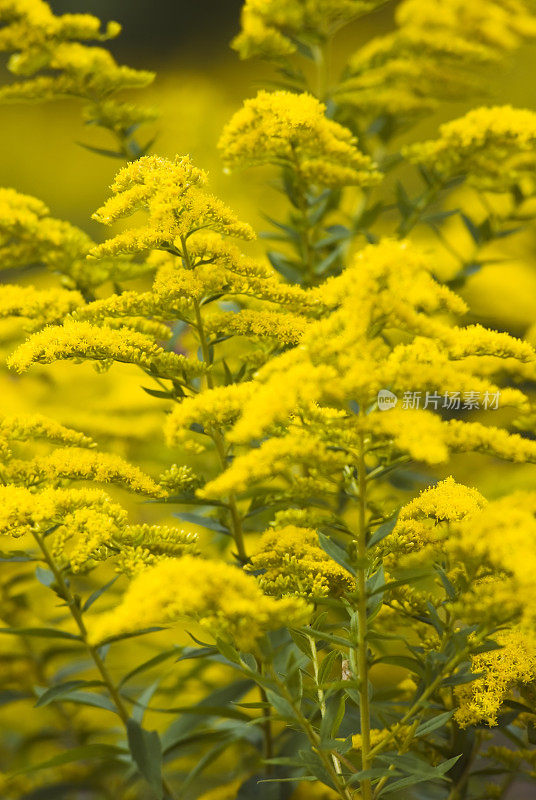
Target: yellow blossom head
292, 130
171, 193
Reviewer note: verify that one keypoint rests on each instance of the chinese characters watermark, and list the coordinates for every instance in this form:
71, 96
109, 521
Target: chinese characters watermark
450, 401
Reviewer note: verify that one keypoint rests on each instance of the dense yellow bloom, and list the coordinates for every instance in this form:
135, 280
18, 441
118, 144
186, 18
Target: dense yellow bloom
499, 673
226, 602
29, 235
171, 193
215, 408
86, 465
446, 501
23, 510
285, 328
274, 457
387, 289
292, 563
436, 53
492, 147
42, 306
270, 27
100, 343
421, 522
292, 130
50, 59
21, 427
179, 479
141, 546
387, 329
87, 536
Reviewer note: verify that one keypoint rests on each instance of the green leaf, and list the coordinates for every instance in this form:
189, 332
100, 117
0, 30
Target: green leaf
63, 690
44, 576
158, 393
180, 729
8, 696
44, 633
434, 723
82, 753
208, 758
326, 667
380, 533
406, 662
287, 268
146, 751
97, 593
101, 151
143, 701
90, 699
151, 662
281, 705
15, 555
335, 552
433, 773
204, 522
335, 708
405, 206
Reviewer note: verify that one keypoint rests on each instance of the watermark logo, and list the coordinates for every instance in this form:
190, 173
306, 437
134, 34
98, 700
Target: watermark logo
451, 401
386, 400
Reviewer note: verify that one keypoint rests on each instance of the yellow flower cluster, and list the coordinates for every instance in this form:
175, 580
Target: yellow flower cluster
274, 457
498, 674
292, 130
29, 235
144, 545
50, 59
21, 427
84, 527
101, 343
270, 27
493, 147
216, 408
436, 53
285, 328
179, 479
23, 510
292, 563
87, 536
171, 193
485, 548
387, 329
420, 521
225, 602
86, 465
41, 306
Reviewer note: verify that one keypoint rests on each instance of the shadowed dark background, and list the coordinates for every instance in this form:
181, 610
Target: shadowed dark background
165, 26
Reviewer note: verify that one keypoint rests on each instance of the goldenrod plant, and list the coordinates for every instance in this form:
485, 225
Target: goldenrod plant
340, 610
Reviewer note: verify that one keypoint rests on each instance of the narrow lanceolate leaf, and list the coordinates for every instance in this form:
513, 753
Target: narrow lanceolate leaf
337, 553
94, 596
63, 690
44, 633
146, 751
432, 724
381, 532
82, 753
149, 664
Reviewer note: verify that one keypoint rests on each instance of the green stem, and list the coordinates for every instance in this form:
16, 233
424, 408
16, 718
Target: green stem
76, 614
362, 655
314, 740
217, 438
267, 732
449, 667
321, 696
422, 204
